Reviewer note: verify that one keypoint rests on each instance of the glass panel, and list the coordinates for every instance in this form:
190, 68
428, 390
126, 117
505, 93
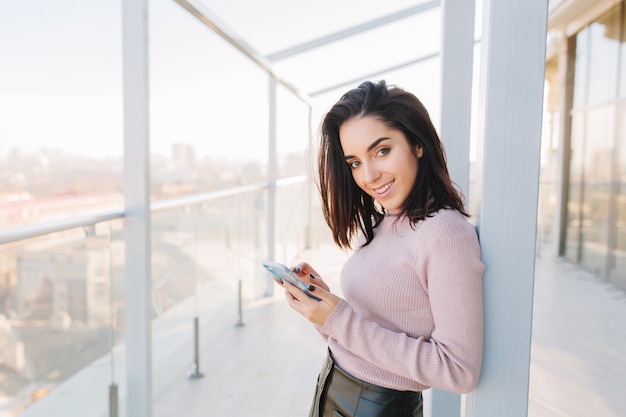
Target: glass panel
209, 108
574, 199
292, 135
597, 188
292, 221
60, 110
622, 74
204, 244
581, 70
618, 272
61, 313
603, 57
548, 179
206, 264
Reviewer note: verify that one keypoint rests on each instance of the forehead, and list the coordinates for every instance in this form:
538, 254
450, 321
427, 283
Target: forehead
365, 128
358, 133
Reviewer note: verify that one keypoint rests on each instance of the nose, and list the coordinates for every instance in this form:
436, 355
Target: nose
370, 173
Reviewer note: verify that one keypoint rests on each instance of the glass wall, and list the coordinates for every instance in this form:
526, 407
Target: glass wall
60, 109
209, 109
617, 268
593, 232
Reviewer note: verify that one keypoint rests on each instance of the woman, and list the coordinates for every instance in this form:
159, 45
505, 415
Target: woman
411, 316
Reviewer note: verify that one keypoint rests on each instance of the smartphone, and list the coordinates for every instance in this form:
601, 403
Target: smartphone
282, 273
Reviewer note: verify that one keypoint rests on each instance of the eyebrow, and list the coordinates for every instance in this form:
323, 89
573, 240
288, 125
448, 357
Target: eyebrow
372, 146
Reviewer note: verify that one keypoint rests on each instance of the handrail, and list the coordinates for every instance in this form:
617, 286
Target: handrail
178, 202
17, 233
172, 203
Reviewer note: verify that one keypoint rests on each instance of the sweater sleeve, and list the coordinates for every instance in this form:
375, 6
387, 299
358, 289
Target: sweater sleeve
450, 357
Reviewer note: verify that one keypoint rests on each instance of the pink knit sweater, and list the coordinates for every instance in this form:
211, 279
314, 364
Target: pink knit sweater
411, 317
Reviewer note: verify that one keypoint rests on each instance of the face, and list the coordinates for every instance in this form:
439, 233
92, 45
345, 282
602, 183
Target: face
383, 163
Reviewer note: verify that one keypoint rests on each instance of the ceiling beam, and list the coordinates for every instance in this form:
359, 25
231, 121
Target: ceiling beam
342, 34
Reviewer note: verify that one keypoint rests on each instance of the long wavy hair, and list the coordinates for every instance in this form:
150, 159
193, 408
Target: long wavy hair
347, 208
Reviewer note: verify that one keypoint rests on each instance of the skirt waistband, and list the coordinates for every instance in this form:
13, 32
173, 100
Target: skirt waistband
340, 394
367, 390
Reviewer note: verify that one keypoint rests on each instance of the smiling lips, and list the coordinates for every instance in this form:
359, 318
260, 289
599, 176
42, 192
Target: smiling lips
384, 188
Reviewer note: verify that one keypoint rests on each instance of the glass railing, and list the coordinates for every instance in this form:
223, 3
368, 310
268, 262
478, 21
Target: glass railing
63, 289
62, 308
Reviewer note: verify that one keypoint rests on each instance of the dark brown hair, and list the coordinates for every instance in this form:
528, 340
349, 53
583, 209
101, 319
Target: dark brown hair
348, 209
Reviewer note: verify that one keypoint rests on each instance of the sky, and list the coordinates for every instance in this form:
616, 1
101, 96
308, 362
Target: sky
61, 73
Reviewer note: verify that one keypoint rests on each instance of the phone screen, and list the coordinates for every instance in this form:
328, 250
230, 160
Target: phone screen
282, 273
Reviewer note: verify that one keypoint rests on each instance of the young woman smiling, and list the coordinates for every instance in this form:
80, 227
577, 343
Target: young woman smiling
411, 316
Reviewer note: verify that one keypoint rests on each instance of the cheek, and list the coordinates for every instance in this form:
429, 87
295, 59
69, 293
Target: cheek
358, 178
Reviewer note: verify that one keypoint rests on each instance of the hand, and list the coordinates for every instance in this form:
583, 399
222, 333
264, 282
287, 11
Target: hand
310, 275
313, 310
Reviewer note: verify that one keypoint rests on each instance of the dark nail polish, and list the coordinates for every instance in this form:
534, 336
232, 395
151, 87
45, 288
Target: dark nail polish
311, 287
311, 275
297, 269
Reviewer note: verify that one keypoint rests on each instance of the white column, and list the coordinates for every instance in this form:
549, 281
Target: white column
272, 173
512, 78
457, 55
137, 207
457, 44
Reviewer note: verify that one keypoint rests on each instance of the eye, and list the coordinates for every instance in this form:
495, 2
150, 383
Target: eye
383, 151
354, 164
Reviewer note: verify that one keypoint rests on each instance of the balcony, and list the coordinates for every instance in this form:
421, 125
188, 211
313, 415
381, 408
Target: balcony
147, 297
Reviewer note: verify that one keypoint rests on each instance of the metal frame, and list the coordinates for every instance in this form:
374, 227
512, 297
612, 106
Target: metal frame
457, 65
17, 233
137, 268
355, 30
205, 16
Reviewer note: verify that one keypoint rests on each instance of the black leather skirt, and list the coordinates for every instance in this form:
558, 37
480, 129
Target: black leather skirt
339, 394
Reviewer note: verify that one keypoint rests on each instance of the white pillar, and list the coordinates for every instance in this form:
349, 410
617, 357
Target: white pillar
272, 174
512, 78
457, 54
137, 207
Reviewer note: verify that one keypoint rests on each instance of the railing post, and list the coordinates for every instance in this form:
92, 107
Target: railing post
272, 177
310, 185
137, 279
195, 370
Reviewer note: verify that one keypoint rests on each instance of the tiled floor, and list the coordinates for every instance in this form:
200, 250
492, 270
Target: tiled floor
578, 360
268, 367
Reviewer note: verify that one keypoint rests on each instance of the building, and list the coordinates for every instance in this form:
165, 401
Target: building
586, 87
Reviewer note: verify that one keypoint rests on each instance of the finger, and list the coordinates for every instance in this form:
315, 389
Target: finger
318, 281
304, 269
300, 295
313, 310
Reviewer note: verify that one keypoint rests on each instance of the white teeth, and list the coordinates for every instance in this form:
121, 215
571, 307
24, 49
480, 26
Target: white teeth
383, 188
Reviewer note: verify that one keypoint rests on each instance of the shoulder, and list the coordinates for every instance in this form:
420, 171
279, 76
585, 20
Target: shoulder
446, 226
447, 220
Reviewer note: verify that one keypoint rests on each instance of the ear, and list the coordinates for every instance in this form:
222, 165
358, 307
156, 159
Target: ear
419, 151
